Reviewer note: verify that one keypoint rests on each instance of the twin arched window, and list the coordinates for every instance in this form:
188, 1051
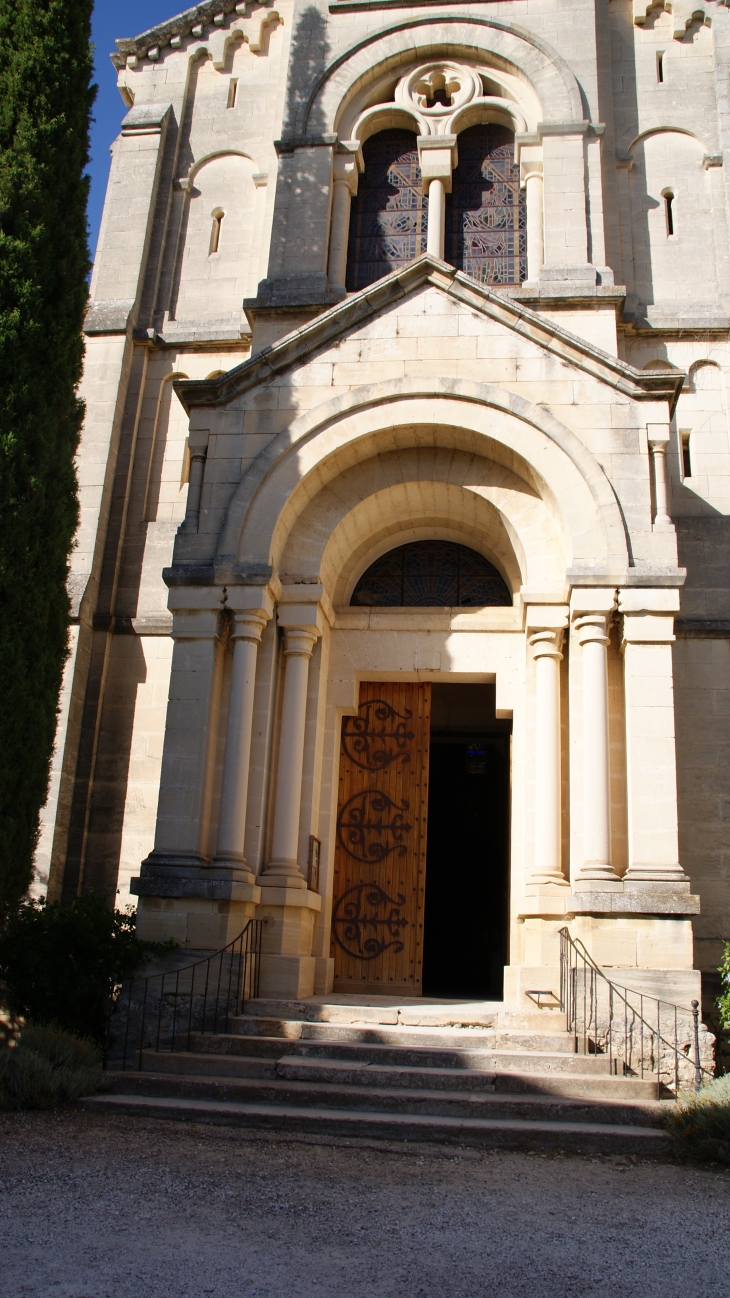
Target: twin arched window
485, 212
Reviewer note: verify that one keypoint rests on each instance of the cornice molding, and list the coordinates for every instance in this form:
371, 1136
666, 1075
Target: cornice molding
296, 347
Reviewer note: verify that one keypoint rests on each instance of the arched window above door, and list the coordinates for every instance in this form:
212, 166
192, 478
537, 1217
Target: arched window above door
388, 215
431, 574
485, 212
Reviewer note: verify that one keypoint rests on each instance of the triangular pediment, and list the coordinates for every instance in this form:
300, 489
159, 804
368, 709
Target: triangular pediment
343, 321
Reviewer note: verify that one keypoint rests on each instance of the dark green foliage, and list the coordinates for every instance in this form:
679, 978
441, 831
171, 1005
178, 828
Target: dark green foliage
61, 965
45, 103
700, 1124
46, 1068
723, 1001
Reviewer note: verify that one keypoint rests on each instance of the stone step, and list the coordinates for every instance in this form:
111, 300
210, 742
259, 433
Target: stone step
419, 1012
374, 1098
402, 1035
200, 1065
507, 1133
416, 1056
434, 1057
571, 1085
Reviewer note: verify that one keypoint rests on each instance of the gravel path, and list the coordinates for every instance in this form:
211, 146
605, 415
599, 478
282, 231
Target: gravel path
94, 1205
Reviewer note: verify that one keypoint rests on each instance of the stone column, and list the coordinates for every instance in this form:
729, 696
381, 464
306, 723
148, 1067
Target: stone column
658, 436
283, 867
287, 905
249, 624
437, 157
591, 611
344, 181
547, 866
648, 634
436, 219
532, 181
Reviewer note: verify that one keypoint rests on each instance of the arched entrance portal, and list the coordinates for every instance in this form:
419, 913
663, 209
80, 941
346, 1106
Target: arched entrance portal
420, 876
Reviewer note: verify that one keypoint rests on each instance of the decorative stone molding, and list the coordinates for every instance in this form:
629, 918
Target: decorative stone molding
439, 99
208, 22
684, 13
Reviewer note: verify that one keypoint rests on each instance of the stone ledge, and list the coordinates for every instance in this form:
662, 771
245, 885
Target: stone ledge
635, 902
167, 884
702, 628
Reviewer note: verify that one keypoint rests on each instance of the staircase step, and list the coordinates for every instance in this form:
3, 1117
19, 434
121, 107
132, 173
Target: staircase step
457, 1038
421, 1101
296, 1030
512, 1133
420, 1012
434, 1057
202, 1065
571, 1085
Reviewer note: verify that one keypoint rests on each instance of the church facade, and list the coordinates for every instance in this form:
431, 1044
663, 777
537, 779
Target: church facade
401, 595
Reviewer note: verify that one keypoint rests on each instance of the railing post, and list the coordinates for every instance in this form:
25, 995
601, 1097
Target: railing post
698, 1066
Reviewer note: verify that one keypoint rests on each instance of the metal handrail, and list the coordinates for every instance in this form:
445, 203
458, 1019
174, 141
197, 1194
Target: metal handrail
640, 1045
163, 1011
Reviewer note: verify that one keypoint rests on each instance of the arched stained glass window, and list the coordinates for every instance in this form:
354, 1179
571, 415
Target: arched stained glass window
388, 215
434, 574
485, 212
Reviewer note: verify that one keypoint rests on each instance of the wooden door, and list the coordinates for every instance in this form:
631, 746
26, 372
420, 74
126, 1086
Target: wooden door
380, 854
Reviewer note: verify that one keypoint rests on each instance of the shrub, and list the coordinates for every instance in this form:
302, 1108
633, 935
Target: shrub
47, 1068
62, 965
700, 1124
723, 1001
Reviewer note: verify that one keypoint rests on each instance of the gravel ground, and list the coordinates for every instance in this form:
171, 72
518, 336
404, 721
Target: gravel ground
94, 1205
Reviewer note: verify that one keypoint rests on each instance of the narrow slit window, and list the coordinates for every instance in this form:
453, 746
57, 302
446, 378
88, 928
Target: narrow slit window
660, 67
232, 92
215, 233
686, 456
669, 212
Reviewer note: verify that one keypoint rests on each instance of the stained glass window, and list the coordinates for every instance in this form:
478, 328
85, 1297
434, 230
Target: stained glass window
388, 215
431, 574
485, 212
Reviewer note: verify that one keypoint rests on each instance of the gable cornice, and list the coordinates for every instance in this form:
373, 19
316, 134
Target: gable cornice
325, 329
181, 25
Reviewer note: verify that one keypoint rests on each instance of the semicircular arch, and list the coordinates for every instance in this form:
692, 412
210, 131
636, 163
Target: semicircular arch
453, 414
525, 55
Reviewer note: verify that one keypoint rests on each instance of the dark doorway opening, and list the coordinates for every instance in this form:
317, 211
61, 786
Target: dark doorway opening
465, 926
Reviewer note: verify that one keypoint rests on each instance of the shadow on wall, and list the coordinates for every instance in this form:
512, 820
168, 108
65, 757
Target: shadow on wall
307, 59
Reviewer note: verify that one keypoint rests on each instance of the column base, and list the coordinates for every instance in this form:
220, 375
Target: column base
287, 977
283, 874
288, 968
547, 899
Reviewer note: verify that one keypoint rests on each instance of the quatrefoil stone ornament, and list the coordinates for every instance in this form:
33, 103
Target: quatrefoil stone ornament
436, 91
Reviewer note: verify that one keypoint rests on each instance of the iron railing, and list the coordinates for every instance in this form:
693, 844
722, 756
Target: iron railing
164, 1010
639, 1034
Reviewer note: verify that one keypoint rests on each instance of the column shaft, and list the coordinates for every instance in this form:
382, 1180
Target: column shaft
547, 866
535, 235
593, 636
339, 234
659, 463
436, 219
234, 787
288, 794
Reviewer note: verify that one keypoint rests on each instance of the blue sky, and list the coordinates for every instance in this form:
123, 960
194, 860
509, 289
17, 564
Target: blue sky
114, 18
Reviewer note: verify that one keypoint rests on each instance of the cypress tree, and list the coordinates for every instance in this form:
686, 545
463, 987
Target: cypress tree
45, 108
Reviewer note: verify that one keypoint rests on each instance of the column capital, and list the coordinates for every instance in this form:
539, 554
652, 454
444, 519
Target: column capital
648, 614
345, 171
299, 641
437, 157
546, 644
249, 624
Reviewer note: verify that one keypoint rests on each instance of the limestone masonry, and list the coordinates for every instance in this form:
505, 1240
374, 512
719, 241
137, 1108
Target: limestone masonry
401, 593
